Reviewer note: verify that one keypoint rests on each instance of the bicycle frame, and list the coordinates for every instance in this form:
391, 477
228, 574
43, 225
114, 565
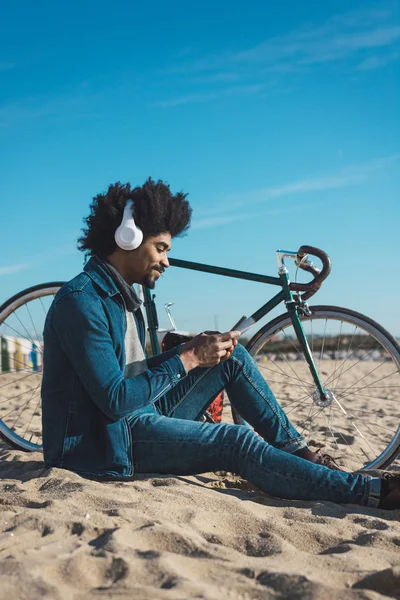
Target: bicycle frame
284, 295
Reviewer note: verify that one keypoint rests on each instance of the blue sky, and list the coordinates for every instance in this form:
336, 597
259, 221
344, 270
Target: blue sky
281, 121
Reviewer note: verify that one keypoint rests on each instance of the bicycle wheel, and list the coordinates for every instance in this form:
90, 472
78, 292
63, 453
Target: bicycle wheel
358, 362
21, 325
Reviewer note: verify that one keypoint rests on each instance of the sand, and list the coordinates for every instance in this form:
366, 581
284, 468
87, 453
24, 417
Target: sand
209, 536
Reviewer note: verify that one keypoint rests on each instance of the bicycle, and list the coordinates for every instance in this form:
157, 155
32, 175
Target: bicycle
335, 372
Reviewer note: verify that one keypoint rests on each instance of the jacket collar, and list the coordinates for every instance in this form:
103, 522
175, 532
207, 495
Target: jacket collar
99, 275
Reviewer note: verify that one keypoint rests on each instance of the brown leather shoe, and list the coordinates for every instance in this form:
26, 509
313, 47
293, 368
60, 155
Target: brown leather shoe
390, 493
327, 461
319, 458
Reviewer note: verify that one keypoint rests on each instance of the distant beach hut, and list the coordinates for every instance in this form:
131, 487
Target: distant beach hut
18, 356
40, 355
5, 356
34, 358
11, 351
26, 349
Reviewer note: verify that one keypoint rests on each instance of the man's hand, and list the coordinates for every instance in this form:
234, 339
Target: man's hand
208, 349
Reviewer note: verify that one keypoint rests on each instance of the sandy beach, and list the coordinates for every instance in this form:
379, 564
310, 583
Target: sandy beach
208, 536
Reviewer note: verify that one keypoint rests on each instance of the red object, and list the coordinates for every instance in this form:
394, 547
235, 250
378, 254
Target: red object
172, 339
216, 407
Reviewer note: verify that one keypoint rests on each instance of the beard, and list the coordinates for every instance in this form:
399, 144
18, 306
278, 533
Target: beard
148, 282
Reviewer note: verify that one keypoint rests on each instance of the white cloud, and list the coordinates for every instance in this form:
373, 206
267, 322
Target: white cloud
39, 259
316, 45
225, 219
219, 77
376, 62
362, 41
5, 65
346, 177
75, 105
356, 174
8, 270
343, 36
195, 97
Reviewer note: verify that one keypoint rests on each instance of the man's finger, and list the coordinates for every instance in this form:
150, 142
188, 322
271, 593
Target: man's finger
227, 344
229, 335
227, 355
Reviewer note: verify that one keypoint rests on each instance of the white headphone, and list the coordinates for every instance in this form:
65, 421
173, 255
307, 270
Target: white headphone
128, 236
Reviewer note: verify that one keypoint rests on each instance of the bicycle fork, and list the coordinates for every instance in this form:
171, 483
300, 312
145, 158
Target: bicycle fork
293, 310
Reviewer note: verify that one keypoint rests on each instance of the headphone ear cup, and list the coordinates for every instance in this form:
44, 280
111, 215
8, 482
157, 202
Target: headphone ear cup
128, 236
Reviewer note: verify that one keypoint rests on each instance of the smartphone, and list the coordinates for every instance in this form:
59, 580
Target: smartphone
243, 324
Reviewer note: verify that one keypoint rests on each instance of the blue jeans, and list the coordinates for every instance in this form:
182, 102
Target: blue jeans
168, 438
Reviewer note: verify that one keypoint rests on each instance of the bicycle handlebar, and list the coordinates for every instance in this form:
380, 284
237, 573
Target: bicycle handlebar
319, 276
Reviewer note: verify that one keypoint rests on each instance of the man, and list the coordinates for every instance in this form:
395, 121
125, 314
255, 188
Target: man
109, 412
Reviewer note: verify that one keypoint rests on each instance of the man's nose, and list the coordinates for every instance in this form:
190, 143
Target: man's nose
165, 262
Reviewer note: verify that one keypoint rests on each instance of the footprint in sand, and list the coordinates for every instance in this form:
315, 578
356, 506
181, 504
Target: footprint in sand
371, 523
385, 582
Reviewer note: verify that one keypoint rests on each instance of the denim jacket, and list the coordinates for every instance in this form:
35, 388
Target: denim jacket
86, 401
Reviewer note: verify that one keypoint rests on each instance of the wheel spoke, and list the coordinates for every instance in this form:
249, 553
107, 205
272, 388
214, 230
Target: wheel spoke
294, 372
323, 345
28, 335
20, 408
345, 441
16, 408
18, 335
33, 414
394, 415
328, 424
360, 366
338, 345
33, 324
344, 395
347, 358
297, 404
285, 374
17, 396
344, 362
353, 365
352, 416
385, 427
16, 380
310, 418
20, 415
44, 309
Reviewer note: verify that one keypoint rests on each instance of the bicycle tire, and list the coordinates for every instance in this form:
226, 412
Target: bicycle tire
9, 316
13, 304
377, 359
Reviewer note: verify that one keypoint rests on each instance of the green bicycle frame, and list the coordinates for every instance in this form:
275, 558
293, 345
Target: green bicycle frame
284, 295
